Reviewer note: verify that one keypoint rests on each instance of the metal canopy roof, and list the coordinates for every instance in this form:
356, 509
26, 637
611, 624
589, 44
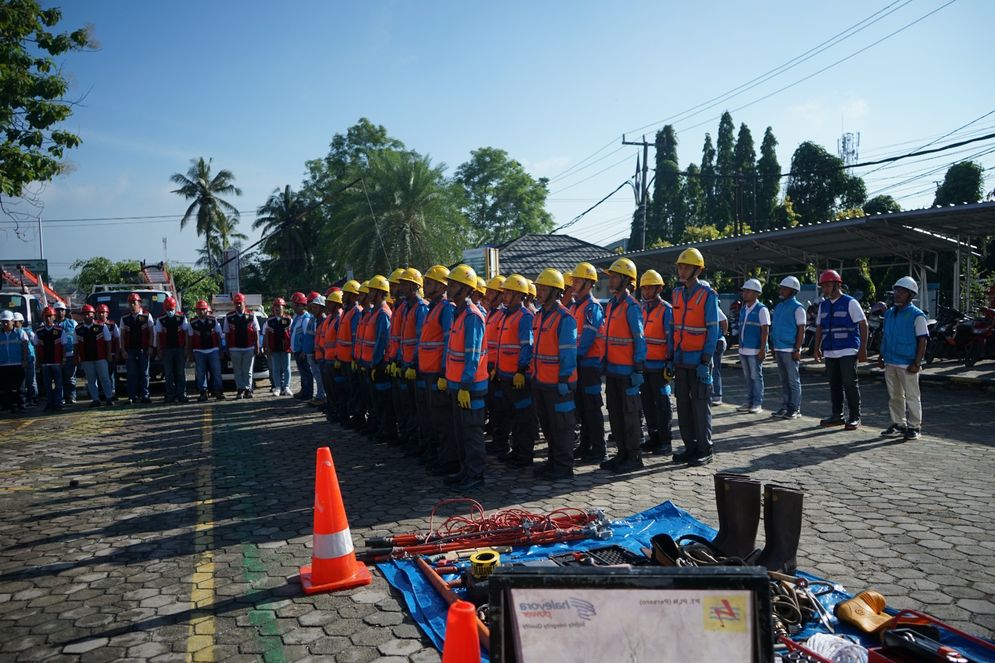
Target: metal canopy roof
916, 236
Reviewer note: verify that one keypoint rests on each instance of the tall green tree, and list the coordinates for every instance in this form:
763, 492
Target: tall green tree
881, 205
502, 201
962, 183
291, 243
769, 182
667, 207
726, 171
98, 269
709, 183
819, 186
33, 89
745, 159
694, 203
204, 190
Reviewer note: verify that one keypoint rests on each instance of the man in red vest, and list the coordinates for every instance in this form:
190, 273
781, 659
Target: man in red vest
50, 343
241, 330
93, 346
655, 391
117, 354
441, 455
171, 331
276, 347
554, 374
137, 340
466, 379
204, 345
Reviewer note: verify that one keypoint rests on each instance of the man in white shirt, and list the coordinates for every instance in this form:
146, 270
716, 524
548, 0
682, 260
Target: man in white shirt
754, 328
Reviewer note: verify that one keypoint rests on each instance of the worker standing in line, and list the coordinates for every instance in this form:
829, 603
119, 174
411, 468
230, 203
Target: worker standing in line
466, 378
334, 307
298, 301
171, 331
692, 338
398, 385
326, 341
720, 349
345, 340
103, 311
93, 345
625, 354
655, 391
530, 303
321, 376
241, 330
205, 342
590, 318
50, 342
903, 345
554, 375
276, 347
418, 427
493, 299
367, 406
138, 337
316, 307
69, 362
478, 296
787, 333
30, 380
754, 330
514, 416
441, 455
13, 362
841, 339
376, 336
567, 298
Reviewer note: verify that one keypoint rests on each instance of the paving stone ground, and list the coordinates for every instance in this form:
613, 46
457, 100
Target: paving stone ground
188, 524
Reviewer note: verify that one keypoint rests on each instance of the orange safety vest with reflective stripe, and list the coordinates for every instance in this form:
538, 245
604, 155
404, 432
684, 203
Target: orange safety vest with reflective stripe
492, 332
343, 339
655, 333
409, 331
455, 356
396, 325
369, 333
619, 343
360, 342
330, 337
319, 339
509, 345
431, 343
546, 352
597, 349
690, 326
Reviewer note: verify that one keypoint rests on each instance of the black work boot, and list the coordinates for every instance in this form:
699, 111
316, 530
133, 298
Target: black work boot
782, 528
737, 536
720, 479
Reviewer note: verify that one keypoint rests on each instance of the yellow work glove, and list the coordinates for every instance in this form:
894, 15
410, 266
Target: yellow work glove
463, 398
410, 374
441, 384
355, 366
518, 382
338, 364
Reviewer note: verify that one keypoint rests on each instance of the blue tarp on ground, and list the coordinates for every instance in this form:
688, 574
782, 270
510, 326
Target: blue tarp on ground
429, 610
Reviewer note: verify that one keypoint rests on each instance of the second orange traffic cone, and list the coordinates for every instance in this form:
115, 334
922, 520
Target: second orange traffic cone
333, 560
462, 643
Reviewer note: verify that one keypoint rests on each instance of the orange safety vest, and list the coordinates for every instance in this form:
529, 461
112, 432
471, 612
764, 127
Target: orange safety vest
409, 327
369, 334
319, 339
689, 320
430, 345
396, 327
343, 339
597, 349
508, 344
457, 348
656, 335
492, 332
328, 339
546, 355
619, 343
360, 343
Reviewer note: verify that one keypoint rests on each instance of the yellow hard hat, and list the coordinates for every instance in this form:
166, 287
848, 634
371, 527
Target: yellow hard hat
532, 289
496, 283
481, 286
552, 278
585, 270
568, 278
413, 275
517, 283
379, 282
650, 277
364, 289
625, 267
691, 257
395, 276
334, 297
438, 273
351, 286
464, 274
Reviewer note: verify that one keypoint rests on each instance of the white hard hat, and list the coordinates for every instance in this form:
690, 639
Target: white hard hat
753, 284
7, 315
319, 300
18, 317
59, 306
908, 283
791, 282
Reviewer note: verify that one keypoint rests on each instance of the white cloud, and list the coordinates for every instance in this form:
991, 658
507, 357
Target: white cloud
822, 113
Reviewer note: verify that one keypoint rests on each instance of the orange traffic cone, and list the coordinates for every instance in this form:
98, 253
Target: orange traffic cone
462, 644
333, 562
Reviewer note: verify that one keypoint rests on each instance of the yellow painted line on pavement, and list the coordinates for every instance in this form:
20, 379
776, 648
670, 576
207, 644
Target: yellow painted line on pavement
200, 635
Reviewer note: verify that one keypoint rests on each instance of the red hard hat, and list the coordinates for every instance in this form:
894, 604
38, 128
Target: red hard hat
201, 304
279, 301
311, 296
87, 309
238, 297
134, 297
298, 298
332, 289
830, 276
47, 311
169, 304
103, 308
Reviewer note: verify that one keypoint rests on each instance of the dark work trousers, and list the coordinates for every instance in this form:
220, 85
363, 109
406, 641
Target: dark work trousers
338, 397
307, 379
326, 380
418, 388
383, 406
843, 381
489, 406
499, 415
468, 431
407, 423
440, 405
521, 414
397, 399
353, 397
69, 379
366, 413
623, 414
694, 411
656, 407
590, 410
557, 416
11, 393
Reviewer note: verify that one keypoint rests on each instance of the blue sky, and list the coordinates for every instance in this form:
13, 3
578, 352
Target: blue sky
261, 87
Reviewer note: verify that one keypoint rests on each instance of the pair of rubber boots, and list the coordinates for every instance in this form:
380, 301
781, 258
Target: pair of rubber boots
738, 500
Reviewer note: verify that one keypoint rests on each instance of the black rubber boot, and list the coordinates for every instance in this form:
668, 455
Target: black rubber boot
782, 528
741, 503
720, 479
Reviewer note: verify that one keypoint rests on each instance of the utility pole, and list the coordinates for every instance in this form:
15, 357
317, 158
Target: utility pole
642, 189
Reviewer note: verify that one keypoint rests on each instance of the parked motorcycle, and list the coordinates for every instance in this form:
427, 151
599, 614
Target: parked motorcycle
950, 336
982, 345
875, 327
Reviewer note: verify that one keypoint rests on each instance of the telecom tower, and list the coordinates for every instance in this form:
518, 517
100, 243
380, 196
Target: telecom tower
847, 147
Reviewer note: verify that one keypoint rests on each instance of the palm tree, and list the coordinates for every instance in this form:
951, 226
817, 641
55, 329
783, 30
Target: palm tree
205, 191
285, 216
